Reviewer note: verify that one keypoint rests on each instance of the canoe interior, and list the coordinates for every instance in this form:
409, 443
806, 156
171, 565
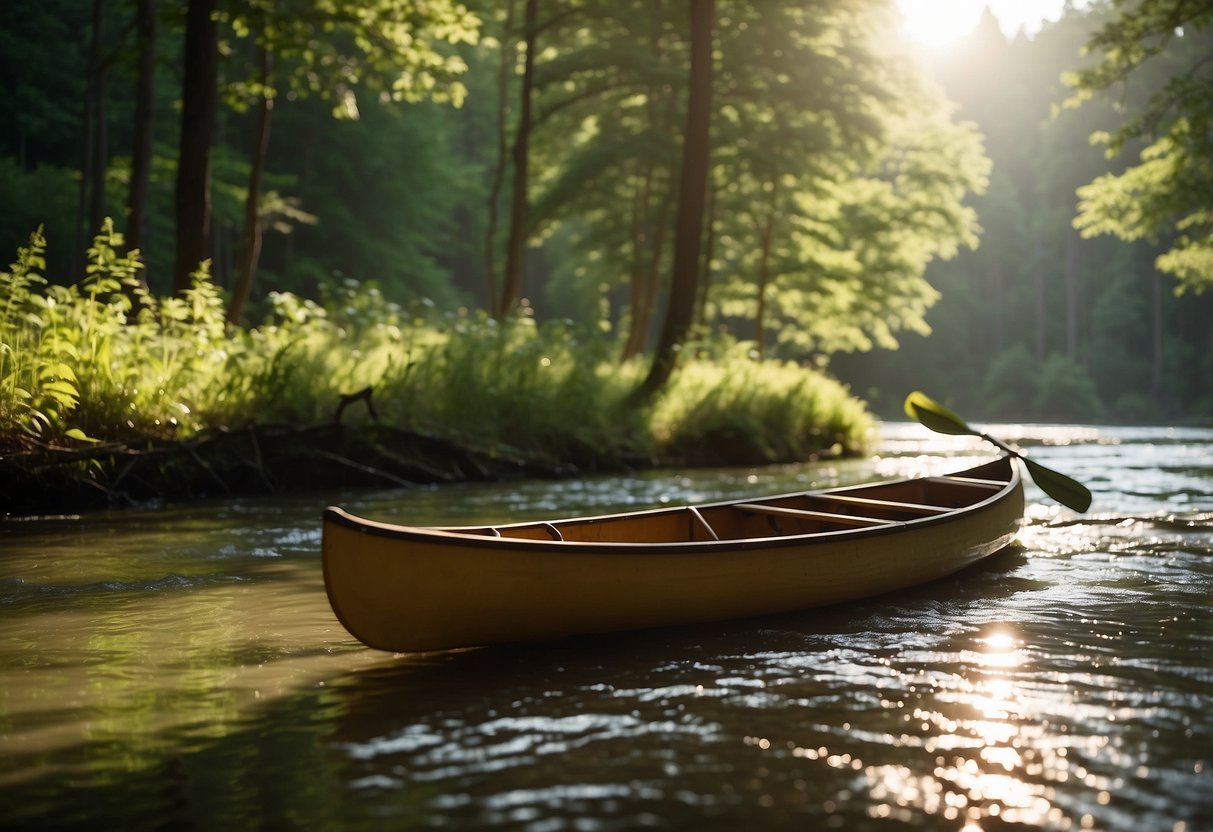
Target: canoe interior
885, 504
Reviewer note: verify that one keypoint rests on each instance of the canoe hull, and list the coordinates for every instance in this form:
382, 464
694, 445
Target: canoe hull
408, 590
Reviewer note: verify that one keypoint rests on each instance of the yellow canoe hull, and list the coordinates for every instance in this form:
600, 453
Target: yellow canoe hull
407, 589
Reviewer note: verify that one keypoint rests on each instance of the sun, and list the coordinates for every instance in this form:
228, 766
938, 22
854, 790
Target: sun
939, 23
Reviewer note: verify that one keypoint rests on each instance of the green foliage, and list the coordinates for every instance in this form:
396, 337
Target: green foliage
105, 359
391, 48
1036, 287
1013, 379
735, 409
1064, 391
1166, 196
44, 196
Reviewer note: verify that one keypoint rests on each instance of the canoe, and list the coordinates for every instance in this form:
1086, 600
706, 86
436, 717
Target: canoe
415, 589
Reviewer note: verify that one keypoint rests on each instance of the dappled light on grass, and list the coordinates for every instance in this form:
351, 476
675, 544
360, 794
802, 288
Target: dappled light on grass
93, 360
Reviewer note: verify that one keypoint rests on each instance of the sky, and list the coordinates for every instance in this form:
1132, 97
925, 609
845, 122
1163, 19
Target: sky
938, 23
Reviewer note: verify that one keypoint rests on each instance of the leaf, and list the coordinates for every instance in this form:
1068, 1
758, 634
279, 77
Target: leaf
65, 387
76, 433
63, 371
1069, 492
920, 406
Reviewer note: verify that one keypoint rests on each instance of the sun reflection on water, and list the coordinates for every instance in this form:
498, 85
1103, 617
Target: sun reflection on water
987, 769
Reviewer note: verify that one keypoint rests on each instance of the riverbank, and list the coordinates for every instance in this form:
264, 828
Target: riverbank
221, 462
110, 396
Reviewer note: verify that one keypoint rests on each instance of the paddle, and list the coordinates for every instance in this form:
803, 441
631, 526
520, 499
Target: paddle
1069, 492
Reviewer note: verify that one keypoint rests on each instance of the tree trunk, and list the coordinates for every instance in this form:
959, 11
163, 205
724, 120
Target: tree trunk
709, 251
637, 318
1041, 316
638, 334
250, 253
141, 146
100, 165
648, 235
998, 306
504, 72
1072, 299
764, 274
199, 98
692, 188
1156, 341
89, 208
516, 240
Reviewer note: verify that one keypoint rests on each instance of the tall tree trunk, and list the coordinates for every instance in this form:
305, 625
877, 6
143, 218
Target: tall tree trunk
88, 220
998, 291
141, 146
1042, 308
638, 335
1072, 299
505, 71
709, 251
766, 232
692, 188
516, 240
648, 235
250, 252
100, 160
199, 98
637, 318
1156, 341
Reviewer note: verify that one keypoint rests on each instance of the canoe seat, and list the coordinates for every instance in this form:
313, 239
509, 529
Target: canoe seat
839, 519
882, 506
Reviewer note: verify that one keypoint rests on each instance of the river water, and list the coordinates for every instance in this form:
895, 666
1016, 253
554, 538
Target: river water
181, 668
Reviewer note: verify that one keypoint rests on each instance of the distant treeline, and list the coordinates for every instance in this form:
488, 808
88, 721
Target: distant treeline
1041, 322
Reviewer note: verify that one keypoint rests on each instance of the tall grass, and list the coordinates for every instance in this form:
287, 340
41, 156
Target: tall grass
734, 409
106, 360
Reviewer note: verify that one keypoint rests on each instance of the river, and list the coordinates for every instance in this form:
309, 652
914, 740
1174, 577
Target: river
180, 668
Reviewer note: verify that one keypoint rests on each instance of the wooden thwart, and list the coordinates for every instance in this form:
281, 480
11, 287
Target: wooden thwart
907, 508
703, 524
840, 519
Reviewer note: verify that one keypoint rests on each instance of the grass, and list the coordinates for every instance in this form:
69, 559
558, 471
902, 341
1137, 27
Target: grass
104, 360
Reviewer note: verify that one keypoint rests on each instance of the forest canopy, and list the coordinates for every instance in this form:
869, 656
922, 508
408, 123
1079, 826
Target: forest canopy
527, 158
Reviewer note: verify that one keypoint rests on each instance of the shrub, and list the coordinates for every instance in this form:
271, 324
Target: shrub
106, 359
1065, 391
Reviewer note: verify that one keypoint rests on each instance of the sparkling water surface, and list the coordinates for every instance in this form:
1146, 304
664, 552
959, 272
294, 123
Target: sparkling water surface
181, 668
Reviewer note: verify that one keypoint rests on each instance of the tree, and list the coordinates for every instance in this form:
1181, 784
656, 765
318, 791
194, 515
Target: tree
1167, 194
840, 176
141, 143
515, 246
199, 99
692, 189
391, 47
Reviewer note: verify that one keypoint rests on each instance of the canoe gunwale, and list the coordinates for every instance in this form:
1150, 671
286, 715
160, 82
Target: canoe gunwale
491, 537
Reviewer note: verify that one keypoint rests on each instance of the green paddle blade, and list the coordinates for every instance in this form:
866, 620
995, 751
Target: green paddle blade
1070, 493
935, 416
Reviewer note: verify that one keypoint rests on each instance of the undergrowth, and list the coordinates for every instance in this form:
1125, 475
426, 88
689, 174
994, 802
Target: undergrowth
105, 360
